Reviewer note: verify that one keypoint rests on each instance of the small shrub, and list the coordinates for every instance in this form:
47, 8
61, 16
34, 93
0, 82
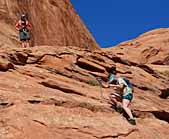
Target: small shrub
165, 73
93, 83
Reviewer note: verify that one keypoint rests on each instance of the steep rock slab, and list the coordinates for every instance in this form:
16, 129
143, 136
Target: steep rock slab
55, 23
149, 48
50, 92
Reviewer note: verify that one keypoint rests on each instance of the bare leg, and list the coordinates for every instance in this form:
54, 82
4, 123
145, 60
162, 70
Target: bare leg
27, 43
22, 44
126, 104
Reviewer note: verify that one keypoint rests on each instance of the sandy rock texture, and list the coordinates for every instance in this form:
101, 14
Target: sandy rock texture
52, 93
54, 23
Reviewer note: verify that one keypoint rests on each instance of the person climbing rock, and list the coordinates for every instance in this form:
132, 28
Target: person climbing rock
24, 27
123, 91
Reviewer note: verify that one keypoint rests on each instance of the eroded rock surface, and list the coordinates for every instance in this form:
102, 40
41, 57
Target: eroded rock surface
50, 92
54, 94
148, 48
55, 23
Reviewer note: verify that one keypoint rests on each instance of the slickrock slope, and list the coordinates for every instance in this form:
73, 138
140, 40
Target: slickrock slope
51, 93
149, 48
150, 51
55, 23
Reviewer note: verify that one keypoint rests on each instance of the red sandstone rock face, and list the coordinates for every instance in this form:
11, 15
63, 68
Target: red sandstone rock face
149, 48
52, 93
55, 23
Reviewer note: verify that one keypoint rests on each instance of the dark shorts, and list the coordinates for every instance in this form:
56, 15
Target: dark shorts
128, 96
24, 36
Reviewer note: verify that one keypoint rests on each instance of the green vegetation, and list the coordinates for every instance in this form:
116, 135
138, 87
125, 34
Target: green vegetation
93, 82
165, 73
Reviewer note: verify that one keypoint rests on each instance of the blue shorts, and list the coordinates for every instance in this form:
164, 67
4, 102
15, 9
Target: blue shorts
129, 96
24, 35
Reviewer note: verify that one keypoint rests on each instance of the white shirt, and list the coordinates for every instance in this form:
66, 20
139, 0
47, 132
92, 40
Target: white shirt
126, 90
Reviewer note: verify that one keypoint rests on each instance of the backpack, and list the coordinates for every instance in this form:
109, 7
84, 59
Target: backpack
128, 82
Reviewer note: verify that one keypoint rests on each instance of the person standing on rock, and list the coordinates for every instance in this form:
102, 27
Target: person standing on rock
123, 92
23, 26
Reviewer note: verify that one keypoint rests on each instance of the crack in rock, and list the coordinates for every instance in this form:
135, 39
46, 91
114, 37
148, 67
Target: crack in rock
102, 137
34, 101
55, 85
39, 122
164, 93
72, 104
161, 115
79, 130
119, 134
6, 104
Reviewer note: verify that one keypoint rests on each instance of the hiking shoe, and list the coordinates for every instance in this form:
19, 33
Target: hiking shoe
132, 121
119, 109
113, 106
